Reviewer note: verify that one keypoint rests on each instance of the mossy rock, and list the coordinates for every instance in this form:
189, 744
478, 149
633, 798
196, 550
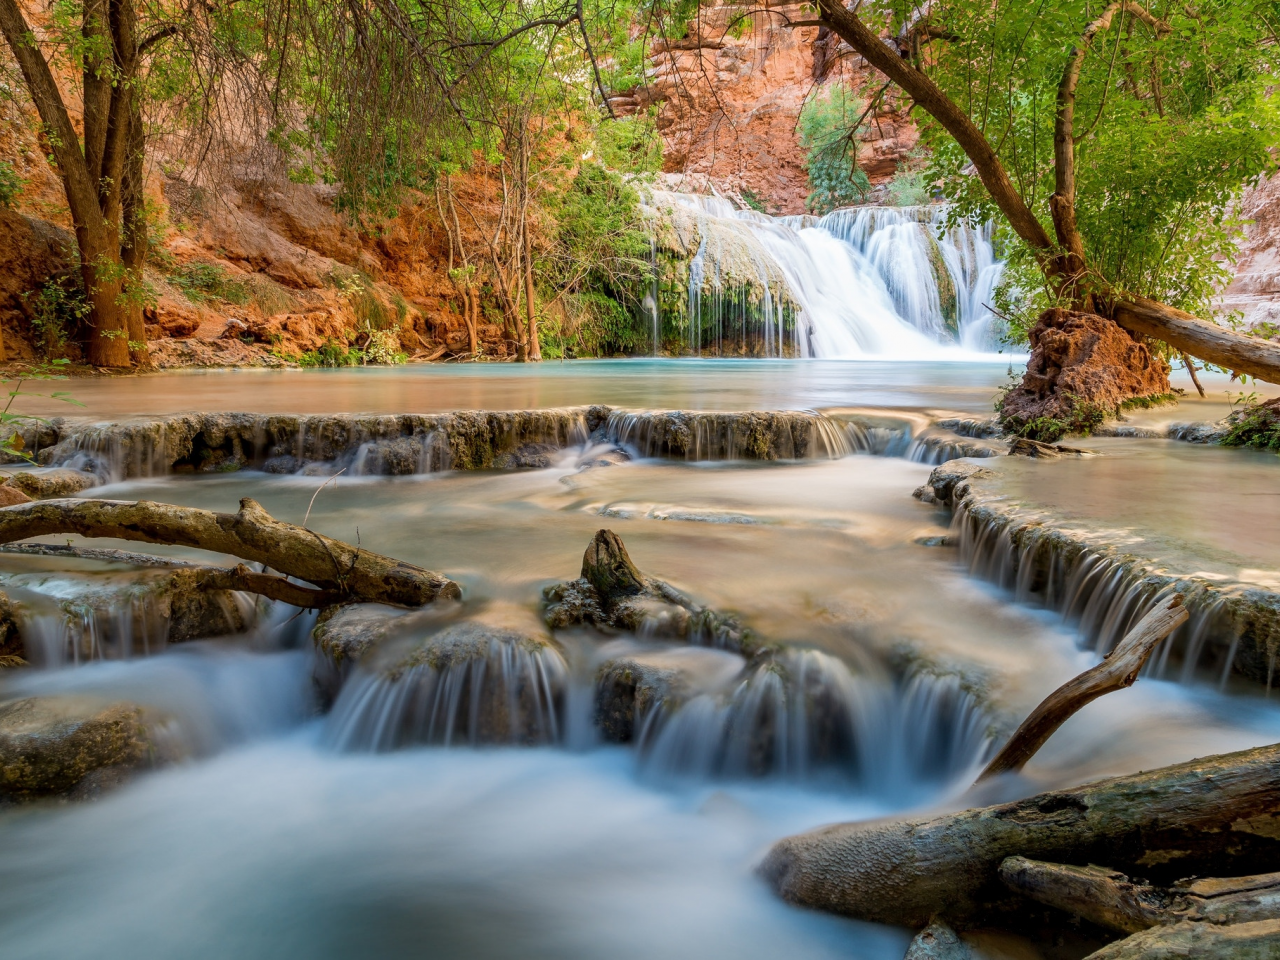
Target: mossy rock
74, 746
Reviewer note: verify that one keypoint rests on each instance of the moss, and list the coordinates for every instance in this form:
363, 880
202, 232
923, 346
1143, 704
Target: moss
1257, 426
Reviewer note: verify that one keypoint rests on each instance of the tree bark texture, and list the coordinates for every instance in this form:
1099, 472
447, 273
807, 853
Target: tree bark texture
1110, 899
1198, 941
1119, 670
336, 568
1215, 816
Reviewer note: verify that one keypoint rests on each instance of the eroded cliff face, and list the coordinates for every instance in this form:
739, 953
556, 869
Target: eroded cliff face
728, 105
1255, 291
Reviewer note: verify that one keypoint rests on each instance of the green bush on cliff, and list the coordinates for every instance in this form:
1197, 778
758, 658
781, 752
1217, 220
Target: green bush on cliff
828, 135
599, 263
10, 184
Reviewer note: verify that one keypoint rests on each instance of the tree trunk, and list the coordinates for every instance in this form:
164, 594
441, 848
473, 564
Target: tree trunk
1217, 816
91, 178
1119, 670
530, 302
252, 534
136, 239
1200, 338
103, 276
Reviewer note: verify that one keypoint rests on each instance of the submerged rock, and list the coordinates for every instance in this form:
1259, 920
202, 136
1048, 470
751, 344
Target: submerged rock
937, 941
613, 594
529, 456
634, 686
74, 746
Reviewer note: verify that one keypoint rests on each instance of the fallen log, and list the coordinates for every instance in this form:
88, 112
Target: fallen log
340, 571
1119, 670
1110, 899
1201, 941
1217, 816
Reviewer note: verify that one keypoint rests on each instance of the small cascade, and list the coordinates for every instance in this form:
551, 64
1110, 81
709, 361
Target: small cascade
860, 282
698, 436
807, 716
69, 633
1104, 595
466, 687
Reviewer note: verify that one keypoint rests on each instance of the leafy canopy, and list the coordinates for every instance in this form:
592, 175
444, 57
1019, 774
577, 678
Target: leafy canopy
1171, 120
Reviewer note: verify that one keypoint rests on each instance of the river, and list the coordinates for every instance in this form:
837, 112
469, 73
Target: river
276, 840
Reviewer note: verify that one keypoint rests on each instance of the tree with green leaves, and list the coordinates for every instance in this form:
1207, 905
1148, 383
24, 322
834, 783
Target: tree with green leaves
1110, 137
127, 57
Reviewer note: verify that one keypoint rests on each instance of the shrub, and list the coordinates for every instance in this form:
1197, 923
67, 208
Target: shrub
57, 310
332, 353
1256, 426
10, 184
202, 282
909, 188
835, 179
384, 348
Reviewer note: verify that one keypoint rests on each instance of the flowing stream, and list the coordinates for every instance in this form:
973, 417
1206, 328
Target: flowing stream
393, 822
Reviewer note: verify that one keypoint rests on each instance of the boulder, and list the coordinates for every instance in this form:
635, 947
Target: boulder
50, 484
946, 478
613, 594
74, 746
12, 496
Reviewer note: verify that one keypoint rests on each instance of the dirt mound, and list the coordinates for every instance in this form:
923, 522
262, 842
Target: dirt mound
1082, 368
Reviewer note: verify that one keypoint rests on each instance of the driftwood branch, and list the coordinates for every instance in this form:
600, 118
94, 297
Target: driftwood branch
338, 569
1201, 941
1110, 899
1119, 670
1213, 817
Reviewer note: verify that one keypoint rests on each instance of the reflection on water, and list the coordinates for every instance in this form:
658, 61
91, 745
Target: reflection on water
645, 384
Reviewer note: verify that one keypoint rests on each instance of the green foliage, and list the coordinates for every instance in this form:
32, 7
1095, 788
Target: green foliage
1257, 426
1082, 420
205, 282
383, 348
631, 144
10, 184
827, 134
752, 201
599, 262
11, 421
1170, 123
331, 353
909, 188
57, 310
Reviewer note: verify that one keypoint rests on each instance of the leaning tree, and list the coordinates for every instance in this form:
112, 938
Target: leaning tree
1110, 138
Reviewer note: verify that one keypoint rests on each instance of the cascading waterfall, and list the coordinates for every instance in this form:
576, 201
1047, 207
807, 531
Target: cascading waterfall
1104, 595
806, 715
893, 282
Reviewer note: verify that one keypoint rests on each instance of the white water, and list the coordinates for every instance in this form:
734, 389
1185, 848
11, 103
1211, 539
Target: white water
865, 280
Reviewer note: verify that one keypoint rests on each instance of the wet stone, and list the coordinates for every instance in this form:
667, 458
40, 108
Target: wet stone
528, 456
50, 484
73, 746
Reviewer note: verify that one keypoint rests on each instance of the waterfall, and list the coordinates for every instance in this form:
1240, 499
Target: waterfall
884, 282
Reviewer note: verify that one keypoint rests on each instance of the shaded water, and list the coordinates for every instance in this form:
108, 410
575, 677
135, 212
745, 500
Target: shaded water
289, 834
